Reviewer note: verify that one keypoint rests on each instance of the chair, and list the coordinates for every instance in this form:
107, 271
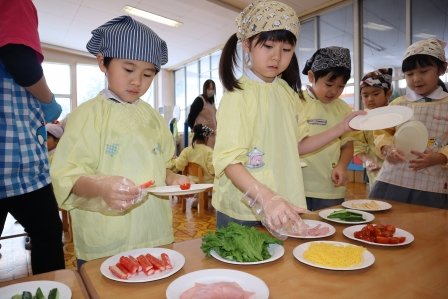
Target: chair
196, 170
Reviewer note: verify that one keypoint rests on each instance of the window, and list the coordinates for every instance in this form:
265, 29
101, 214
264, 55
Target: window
90, 80
179, 90
57, 76
384, 36
307, 46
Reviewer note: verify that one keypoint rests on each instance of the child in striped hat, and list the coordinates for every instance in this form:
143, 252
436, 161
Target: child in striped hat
113, 144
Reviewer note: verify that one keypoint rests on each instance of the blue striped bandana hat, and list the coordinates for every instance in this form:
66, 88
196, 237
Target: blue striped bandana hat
126, 38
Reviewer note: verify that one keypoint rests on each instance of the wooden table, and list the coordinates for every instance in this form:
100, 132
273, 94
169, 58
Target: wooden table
418, 270
69, 277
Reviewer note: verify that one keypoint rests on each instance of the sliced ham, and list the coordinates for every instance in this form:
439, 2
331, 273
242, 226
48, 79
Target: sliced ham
217, 290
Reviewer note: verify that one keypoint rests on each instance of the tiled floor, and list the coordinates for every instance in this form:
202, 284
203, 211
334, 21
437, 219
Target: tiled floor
15, 261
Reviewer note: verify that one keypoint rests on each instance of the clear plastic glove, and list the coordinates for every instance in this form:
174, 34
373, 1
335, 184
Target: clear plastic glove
51, 110
278, 216
392, 154
370, 163
107, 194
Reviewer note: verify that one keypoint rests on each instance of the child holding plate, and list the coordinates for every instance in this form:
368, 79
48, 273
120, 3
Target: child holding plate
112, 144
325, 177
259, 137
423, 179
376, 89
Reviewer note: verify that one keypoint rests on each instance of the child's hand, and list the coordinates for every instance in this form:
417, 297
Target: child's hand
392, 154
118, 192
339, 176
425, 160
344, 123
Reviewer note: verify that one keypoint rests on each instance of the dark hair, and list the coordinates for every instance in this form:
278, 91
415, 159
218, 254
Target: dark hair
107, 61
334, 72
200, 132
229, 59
205, 86
423, 60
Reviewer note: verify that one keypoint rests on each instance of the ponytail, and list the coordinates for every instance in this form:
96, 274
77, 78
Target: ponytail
229, 58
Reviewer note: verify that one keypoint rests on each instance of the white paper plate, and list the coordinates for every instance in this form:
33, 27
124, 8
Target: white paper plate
276, 251
314, 223
381, 118
355, 205
367, 216
368, 258
177, 261
247, 281
175, 190
412, 135
31, 286
350, 231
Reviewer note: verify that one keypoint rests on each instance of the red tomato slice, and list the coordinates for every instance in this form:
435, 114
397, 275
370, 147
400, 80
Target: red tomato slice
185, 186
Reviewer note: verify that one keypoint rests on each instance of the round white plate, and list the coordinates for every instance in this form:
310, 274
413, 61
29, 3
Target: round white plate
368, 258
367, 216
31, 286
412, 135
314, 223
177, 261
175, 190
276, 251
350, 231
381, 118
247, 281
354, 205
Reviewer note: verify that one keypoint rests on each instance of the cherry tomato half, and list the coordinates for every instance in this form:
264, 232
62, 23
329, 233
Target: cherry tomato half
185, 186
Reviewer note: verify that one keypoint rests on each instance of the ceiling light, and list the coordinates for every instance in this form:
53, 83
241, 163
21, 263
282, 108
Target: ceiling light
376, 26
424, 35
150, 16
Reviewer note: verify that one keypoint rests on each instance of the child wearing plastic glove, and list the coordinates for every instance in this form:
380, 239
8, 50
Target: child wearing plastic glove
376, 89
422, 180
114, 143
261, 131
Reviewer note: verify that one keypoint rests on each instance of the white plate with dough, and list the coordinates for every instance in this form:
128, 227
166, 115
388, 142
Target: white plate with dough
381, 118
412, 135
369, 205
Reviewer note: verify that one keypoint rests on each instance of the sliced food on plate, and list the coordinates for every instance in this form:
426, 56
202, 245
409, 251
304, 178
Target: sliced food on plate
38, 289
316, 229
379, 234
370, 205
238, 244
143, 264
217, 283
333, 255
346, 216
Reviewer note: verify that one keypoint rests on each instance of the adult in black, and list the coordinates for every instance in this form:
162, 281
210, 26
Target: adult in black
203, 110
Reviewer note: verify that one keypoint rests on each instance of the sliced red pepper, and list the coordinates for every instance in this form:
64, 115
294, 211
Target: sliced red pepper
147, 184
166, 261
144, 263
128, 264
158, 265
117, 272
